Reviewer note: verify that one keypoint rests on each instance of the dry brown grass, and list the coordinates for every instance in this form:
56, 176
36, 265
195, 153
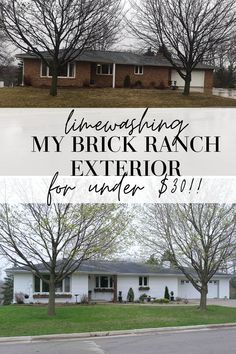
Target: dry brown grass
36, 97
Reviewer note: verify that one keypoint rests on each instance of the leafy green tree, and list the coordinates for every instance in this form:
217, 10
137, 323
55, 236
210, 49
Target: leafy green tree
152, 260
52, 241
199, 238
8, 290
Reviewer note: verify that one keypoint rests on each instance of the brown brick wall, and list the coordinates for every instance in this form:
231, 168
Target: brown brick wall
208, 82
100, 80
32, 69
152, 75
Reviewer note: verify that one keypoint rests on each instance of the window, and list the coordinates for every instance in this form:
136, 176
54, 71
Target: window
104, 69
102, 281
67, 284
45, 286
138, 70
143, 281
67, 70
40, 286
58, 287
36, 284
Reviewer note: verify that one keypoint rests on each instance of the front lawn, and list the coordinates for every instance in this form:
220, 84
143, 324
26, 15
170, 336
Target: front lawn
33, 320
127, 98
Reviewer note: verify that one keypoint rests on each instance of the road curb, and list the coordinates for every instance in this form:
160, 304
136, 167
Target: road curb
89, 335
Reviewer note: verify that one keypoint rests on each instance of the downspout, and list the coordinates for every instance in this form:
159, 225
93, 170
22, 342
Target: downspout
114, 76
23, 73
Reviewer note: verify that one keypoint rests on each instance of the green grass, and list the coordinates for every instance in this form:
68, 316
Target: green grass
33, 320
35, 97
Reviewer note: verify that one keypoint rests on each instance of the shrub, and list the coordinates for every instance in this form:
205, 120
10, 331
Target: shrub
27, 81
142, 297
162, 301
178, 299
152, 84
86, 83
167, 295
84, 299
127, 81
161, 86
130, 295
138, 84
19, 297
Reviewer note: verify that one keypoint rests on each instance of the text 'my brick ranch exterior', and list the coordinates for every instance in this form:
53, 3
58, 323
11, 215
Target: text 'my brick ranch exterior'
111, 69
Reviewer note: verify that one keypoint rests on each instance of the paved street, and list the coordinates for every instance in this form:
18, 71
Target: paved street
220, 341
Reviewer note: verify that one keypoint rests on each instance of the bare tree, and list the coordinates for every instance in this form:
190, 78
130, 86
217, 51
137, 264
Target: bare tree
53, 241
58, 31
199, 238
188, 29
223, 58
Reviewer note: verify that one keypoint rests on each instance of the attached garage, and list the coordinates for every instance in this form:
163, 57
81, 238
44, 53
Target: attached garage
198, 79
187, 290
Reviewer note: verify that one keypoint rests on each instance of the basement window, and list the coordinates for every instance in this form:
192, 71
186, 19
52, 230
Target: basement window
138, 70
104, 69
65, 71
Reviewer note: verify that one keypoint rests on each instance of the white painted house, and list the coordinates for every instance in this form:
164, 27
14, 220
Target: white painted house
103, 280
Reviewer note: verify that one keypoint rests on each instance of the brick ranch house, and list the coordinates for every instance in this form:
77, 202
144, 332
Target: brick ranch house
110, 68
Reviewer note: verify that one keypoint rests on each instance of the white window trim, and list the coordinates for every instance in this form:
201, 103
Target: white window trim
138, 73
59, 77
143, 276
101, 74
109, 282
57, 292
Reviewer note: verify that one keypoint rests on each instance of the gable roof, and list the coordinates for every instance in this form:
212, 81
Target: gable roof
118, 57
118, 267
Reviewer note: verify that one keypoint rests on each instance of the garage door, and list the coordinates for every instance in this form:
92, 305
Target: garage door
198, 77
187, 290
213, 289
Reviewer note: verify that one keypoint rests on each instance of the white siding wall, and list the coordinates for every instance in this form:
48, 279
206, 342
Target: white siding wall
79, 285
157, 286
198, 77
23, 283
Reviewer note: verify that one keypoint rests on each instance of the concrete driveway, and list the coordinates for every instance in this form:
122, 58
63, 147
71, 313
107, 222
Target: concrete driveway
218, 302
222, 302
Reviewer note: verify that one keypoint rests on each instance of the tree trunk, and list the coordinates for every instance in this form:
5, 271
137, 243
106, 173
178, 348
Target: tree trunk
53, 89
187, 85
51, 300
203, 300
